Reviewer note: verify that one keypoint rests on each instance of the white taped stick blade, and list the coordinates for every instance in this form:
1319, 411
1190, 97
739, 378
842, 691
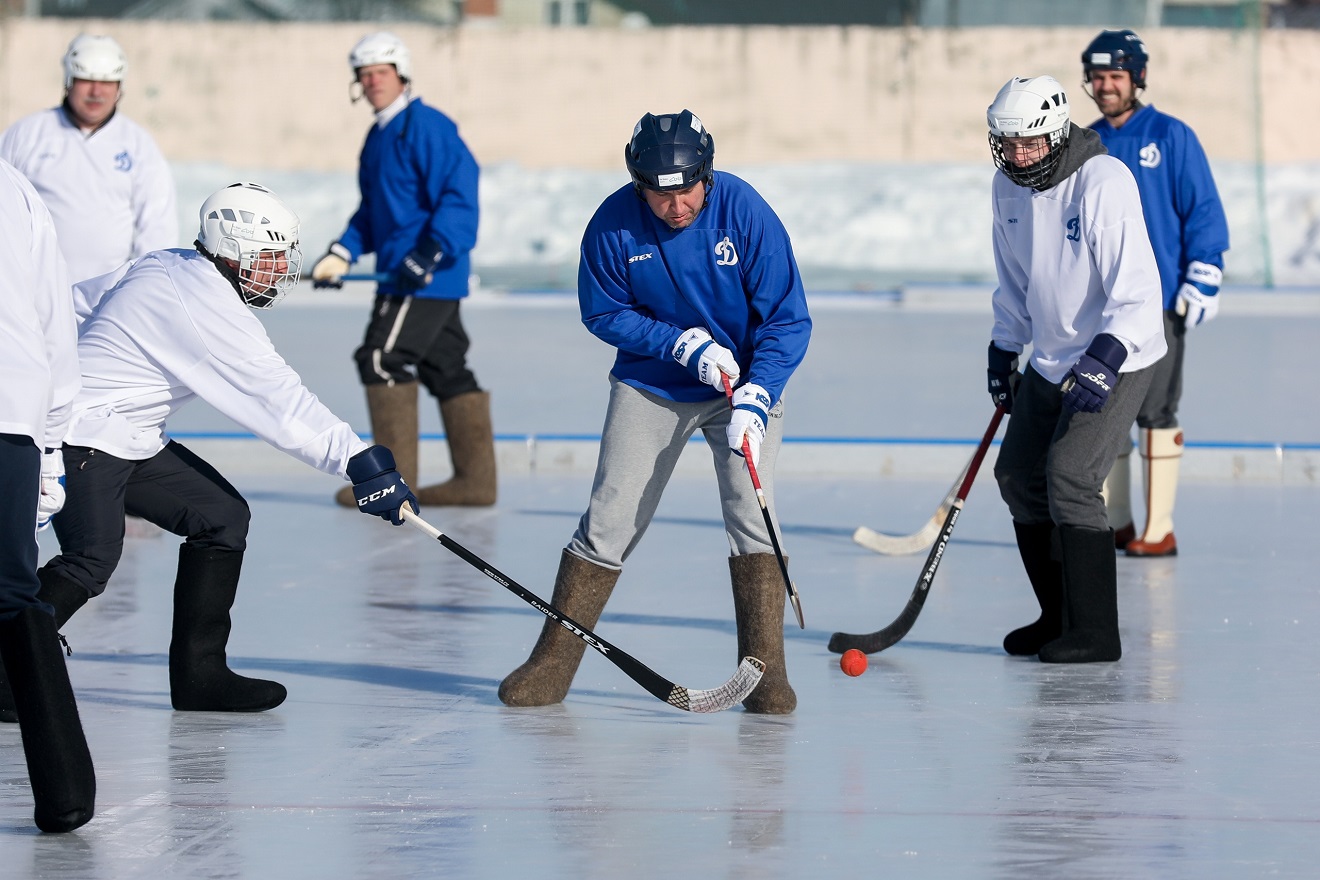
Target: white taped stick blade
727, 695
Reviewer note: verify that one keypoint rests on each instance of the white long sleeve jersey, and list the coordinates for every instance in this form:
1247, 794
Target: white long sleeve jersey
110, 192
173, 329
1074, 261
38, 335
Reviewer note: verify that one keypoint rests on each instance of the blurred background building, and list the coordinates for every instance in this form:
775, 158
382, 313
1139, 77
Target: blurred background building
663, 13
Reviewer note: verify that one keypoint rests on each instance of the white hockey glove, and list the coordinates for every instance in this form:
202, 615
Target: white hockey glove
1198, 298
332, 267
51, 499
751, 408
704, 358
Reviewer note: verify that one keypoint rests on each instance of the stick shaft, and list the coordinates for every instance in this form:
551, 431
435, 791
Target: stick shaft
890, 635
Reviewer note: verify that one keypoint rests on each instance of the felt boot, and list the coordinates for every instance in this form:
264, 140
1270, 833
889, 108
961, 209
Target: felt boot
1090, 598
758, 608
200, 677
471, 451
1036, 546
1161, 455
581, 590
66, 597
59, 763
393, 410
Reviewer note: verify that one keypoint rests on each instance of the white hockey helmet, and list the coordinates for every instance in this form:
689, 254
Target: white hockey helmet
94, 57
1028, 107
382, 47
246, 224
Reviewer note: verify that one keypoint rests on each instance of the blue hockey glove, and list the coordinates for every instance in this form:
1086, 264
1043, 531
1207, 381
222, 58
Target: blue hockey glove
751, 408
1198, 298
415, 271
1003, 376
1095, 374
377, 486
704, 358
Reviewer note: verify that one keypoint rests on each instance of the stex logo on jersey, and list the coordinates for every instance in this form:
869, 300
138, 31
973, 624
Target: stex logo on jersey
1150, 156
637, 257
728, 256
124, 162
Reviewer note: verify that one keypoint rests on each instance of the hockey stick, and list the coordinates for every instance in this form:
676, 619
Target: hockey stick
377, 277
765, 514
733, 691
901, 545
870, 643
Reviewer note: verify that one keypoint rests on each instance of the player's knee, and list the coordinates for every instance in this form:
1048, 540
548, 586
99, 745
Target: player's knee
226, 526
446, 386
376, 367
91, 567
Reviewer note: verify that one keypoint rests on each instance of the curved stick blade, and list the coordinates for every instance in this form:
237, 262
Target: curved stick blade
732, 692
902, 545
905, 545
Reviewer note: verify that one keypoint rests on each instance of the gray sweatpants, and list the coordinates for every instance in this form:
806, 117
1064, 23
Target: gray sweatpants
643, 437
1053, 462
1160, 408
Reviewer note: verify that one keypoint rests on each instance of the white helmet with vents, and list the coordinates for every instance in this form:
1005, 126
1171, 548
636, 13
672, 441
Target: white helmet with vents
1030, 107
247, 225
382, 47
96, 58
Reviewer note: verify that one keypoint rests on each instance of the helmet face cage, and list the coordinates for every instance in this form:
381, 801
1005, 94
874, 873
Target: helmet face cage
95, 58
266, 275
669, 152
1116, 50
245, 224
1030, 108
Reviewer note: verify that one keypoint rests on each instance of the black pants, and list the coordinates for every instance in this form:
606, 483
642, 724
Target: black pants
426, 335
174, 489
20, 483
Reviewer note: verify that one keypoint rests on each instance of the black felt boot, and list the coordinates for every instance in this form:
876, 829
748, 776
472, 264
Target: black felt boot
581, 590
66, 597
1090, 596
758, 608
200, 678
58, 760
1036, 546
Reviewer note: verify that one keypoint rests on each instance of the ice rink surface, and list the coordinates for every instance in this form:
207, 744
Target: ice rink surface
1194, 756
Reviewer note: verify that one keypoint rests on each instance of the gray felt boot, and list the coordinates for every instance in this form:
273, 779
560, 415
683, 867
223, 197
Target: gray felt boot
758, 608
581, 591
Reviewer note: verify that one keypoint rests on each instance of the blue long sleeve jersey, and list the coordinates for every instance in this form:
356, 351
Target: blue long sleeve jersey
732, 272
417, 179
1184, 216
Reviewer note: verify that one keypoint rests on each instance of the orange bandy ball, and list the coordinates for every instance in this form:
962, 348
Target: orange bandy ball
853, 662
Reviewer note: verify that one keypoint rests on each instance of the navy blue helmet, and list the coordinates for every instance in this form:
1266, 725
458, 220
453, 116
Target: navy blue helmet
1117, 50
669, 152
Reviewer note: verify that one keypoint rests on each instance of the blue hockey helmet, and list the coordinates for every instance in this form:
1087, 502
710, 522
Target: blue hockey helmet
669, 152
1117, 50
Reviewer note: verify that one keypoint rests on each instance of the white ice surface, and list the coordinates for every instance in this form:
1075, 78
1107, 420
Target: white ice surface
1194, 756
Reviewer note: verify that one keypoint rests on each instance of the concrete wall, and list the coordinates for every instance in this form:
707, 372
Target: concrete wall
276, 97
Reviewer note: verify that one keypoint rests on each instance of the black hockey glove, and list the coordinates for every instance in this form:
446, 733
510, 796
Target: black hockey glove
1095, 375
415, 271
1003, 376
377, 486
